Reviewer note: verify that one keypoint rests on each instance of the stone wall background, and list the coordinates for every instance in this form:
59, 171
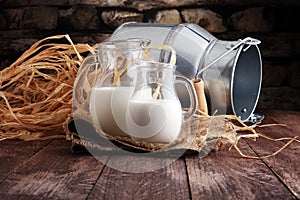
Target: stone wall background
274, 22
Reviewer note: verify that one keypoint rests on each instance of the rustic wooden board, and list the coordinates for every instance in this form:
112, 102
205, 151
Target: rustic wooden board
15, 152
166, 183
224, 175
43, 170
285, 165
290, 118
53, 173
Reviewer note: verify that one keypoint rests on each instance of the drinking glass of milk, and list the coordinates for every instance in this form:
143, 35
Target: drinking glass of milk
154, 112
112, 87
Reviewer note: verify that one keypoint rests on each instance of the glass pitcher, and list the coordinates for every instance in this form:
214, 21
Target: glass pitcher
111, 87
154, 112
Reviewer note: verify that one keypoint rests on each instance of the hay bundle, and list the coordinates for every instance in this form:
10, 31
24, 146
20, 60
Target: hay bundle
36, 90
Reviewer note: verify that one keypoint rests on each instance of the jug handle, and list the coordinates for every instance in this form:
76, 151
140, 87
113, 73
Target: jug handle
192, 94
78, 91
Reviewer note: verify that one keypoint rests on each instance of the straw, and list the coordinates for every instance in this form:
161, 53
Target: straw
36, 90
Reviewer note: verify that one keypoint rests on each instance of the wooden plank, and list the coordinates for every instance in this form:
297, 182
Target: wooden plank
53, 173
15, 152
290, 118
285, 164
225, 175
169, 182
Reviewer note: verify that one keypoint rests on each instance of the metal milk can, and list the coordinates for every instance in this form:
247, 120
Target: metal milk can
231, 70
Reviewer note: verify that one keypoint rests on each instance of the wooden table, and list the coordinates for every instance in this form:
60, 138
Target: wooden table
48, 170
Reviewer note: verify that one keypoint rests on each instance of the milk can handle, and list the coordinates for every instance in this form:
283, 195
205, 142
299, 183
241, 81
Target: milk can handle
248, 41
192, 94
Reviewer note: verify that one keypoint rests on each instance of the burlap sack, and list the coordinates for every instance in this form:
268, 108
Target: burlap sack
200, 134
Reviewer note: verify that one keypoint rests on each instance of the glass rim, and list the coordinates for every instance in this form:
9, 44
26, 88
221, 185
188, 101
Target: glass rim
131, 43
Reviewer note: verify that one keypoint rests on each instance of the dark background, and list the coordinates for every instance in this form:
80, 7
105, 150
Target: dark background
275, 23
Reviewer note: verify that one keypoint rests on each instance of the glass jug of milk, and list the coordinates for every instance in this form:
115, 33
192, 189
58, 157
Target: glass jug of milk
102, 61
154, 112
105, 84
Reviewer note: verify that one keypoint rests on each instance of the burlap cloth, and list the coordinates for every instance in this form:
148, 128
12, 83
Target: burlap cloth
200, 134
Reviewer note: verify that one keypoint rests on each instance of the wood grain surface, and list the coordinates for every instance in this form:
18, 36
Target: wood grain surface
225, 175
14, 152
169, 182
285, 165
48, 170
53, 173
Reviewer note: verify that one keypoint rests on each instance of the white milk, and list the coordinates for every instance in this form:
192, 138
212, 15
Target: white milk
154, 120
108, 108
